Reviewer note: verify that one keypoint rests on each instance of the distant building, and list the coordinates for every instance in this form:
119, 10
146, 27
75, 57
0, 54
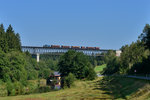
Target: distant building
118, 53
57, 77
54, 80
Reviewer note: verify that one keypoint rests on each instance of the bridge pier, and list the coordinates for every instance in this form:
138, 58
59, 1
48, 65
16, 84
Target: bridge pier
37, 57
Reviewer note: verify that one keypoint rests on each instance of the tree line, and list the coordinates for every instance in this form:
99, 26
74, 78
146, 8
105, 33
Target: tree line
134, 59
16, 67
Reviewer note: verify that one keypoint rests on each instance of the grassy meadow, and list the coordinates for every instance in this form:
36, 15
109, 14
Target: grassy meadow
106, 88
99, 68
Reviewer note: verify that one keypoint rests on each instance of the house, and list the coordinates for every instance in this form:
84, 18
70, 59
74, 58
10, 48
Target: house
54, 80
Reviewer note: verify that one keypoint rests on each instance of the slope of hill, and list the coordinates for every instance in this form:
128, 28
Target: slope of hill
102, 88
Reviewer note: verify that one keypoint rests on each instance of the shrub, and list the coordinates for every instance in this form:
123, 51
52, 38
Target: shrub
3, 89
32, 87
44, 89
91, 74
19, 88
10, 88
68, 81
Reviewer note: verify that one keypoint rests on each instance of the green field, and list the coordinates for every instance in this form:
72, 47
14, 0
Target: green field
99, 68
102, 88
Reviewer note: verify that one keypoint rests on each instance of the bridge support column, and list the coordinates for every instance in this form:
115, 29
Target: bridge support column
37, 57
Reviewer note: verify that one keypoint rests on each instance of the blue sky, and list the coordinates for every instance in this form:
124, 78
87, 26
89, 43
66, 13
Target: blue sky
108, 24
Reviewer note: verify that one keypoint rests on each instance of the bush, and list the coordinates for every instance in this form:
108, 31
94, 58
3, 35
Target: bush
10, 89
32, 87
19, 88
68, 81
91, 74
3, 89
44, 89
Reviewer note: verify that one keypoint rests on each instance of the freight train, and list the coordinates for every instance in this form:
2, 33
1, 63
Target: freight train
71, 47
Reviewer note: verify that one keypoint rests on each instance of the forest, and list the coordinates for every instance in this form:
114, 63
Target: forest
17, 68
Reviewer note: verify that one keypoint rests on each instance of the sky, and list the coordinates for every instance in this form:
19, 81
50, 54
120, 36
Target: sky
108, 24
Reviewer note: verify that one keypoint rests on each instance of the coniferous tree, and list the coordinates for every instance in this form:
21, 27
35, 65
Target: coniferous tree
18, 42
3, 41
10, 37
13, 39
145, 36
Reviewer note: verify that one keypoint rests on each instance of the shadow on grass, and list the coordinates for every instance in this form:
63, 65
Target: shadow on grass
119, 87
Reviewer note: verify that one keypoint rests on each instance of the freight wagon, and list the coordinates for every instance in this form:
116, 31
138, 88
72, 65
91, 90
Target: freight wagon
65, 47
75, 47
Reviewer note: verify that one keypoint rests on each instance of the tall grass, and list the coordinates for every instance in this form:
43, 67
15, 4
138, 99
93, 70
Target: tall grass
106, 88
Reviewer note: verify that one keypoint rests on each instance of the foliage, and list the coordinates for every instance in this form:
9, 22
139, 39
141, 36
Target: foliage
19, 88
68, 81
31, 67
17, 67
44, 71
3, 39
36, 70
52, 64
3, 89
145, 36
142, 68
76, 63
131, 55
50, 60
9, 40
96, 60
135, 56
91, 74
10, 88
4, 67
112, 63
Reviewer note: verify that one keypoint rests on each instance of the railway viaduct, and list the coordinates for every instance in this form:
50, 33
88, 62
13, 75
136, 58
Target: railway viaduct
35, 50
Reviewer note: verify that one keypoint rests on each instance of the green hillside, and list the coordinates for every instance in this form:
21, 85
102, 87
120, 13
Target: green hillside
102, 88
